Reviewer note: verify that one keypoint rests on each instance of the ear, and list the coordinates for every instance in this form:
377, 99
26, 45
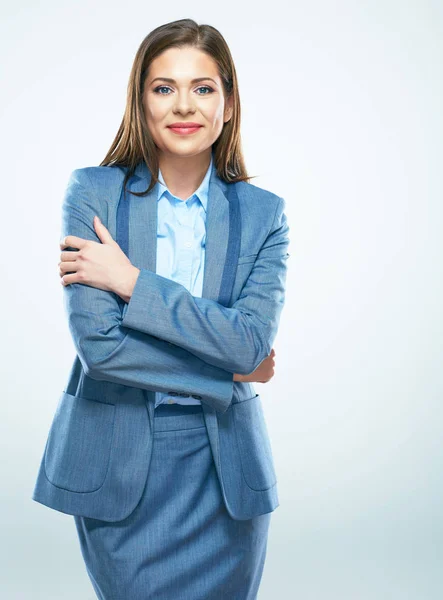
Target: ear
229, 108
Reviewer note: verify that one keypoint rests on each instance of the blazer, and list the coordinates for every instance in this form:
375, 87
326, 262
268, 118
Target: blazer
97, 454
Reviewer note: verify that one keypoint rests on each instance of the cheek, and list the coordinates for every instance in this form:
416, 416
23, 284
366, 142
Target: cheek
214, 114
155, 111
154, 114
156, 117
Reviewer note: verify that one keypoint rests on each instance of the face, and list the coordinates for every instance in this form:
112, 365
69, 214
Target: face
172, 95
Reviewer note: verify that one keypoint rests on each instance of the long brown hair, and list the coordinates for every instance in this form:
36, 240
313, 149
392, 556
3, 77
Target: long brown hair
133, 142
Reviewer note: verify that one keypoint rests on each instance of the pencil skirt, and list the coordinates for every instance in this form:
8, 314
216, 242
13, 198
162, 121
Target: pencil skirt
179, 543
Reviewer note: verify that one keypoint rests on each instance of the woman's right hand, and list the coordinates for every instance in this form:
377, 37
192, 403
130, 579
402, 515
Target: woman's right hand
262, 374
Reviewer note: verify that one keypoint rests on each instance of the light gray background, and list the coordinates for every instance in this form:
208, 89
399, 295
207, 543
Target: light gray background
342, 116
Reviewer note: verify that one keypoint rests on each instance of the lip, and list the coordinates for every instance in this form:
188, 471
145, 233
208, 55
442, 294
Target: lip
184, 128
184, 125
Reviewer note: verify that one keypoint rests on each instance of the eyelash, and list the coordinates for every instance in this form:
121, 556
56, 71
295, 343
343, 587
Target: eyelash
166, 86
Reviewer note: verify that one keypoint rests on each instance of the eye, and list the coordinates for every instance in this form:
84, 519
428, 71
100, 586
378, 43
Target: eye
205, 87
161, 87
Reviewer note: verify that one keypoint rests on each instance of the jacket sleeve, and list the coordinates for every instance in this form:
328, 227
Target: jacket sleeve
237, 338
108, 350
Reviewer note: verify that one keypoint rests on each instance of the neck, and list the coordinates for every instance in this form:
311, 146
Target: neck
184, 174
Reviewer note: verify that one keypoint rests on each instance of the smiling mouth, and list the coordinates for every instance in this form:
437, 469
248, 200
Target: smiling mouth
184, 130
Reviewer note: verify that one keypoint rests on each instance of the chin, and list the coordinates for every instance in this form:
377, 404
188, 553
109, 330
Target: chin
184, 150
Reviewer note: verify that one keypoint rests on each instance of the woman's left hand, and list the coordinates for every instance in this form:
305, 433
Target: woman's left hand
104, 266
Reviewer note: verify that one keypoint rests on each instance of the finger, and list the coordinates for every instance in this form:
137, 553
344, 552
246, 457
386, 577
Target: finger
68, 279
68, 256
73, 241
102, 232
66, 267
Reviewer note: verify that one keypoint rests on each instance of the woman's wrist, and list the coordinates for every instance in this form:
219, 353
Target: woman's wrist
238, 377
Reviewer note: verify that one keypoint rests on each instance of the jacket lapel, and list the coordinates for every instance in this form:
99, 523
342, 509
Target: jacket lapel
143, 229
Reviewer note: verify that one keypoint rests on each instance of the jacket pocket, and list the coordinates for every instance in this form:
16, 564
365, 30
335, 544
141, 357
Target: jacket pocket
79, 444
253, 442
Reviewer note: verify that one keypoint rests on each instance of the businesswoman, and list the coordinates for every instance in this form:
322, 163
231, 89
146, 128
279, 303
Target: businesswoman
173, 306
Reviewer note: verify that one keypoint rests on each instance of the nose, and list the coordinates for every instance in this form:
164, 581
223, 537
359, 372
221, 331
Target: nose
184, 103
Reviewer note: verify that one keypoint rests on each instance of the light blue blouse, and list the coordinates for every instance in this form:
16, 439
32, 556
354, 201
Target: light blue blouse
181, 242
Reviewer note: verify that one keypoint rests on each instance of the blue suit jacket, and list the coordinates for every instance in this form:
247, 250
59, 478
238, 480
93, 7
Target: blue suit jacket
97, 455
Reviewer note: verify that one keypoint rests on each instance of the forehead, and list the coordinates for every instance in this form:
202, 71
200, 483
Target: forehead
182, 64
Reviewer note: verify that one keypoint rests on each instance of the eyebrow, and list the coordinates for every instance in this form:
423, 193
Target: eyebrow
196, 80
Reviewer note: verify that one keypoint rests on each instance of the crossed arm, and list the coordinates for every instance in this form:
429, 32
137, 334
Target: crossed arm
237, 338
166, 339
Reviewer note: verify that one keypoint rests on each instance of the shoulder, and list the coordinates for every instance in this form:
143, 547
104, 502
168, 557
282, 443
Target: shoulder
259, 202
98, 178
96, 187
249, 190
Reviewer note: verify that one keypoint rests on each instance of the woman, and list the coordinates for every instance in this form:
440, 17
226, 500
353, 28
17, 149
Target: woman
159, 446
